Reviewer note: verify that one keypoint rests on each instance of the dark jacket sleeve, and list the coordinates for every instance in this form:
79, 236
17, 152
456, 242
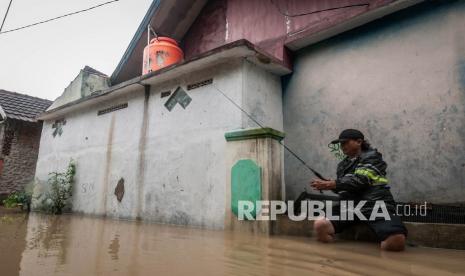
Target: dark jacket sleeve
351, 183
369, 169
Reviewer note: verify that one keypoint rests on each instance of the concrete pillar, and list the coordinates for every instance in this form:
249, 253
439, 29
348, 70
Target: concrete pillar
254, 172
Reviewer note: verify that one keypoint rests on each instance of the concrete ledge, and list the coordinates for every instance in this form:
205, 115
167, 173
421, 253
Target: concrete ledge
438, 235
244, 134
284, 226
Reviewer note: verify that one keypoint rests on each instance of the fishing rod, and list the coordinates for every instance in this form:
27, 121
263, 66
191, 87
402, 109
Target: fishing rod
316, 173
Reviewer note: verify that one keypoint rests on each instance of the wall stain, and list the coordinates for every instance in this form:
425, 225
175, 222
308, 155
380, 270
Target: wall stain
460, 71
179, 218
119, 189
107, 165
148, 199
141, 157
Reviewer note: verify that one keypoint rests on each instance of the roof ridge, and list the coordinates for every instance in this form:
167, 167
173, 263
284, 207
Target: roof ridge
94, 71
26, 95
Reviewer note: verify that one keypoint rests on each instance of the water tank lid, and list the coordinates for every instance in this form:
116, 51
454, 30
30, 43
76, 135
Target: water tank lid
163, 38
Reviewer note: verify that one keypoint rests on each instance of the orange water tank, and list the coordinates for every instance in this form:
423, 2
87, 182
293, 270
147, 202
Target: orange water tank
161, 52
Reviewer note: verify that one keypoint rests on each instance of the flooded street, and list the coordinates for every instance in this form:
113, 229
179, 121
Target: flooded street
39, 244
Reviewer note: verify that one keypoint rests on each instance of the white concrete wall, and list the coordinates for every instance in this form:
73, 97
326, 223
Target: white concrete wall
71, 93
262, 98
176, 172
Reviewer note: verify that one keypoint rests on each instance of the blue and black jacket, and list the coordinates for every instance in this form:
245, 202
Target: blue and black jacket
364, 178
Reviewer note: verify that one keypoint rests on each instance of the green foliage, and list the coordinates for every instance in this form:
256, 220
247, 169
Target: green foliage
61, 190
20, 198
11, 201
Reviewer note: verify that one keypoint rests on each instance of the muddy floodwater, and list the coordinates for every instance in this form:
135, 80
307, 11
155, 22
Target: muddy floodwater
38, 244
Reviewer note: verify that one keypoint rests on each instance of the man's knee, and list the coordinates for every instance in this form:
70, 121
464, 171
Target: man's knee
394, 243
324, 230
320, 224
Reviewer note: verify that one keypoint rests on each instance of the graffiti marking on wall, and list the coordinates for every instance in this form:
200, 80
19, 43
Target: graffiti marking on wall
87, 188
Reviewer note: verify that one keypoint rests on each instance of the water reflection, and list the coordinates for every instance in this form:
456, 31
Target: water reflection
113, 249
12, 242
75, 245
47, 237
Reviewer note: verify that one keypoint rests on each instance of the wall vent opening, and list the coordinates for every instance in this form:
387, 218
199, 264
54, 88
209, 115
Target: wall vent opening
112, 108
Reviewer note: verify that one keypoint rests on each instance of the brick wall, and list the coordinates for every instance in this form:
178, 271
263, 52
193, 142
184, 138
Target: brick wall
19, 150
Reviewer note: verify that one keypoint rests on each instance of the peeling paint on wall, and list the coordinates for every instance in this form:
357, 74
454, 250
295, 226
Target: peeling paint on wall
119, 189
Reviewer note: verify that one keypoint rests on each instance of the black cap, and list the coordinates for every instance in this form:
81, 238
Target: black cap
348, 134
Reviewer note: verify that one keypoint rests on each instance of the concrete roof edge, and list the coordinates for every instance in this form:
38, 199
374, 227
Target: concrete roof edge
22, 118
255, 55
304, 39
94, 71
261, 55
66, 108
140, 30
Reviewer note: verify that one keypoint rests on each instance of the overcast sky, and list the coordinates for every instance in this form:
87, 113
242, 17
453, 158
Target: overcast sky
42, 60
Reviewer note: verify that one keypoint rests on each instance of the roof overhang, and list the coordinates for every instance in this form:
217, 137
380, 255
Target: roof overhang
2, 114
240, 49
168, 18
173, 18
305, 38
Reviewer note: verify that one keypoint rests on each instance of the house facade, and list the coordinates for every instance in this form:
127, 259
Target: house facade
303, 71
19, 139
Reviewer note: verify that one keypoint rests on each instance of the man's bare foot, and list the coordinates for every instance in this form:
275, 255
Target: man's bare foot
394, 243
324, 230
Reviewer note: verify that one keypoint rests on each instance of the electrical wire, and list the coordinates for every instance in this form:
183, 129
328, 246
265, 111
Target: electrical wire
312, 12
234, 103
6, 14
317, 174
58, 17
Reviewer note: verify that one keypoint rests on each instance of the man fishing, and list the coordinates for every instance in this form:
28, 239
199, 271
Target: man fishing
361, 176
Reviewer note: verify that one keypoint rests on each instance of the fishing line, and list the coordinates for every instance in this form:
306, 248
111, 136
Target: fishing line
316, 173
